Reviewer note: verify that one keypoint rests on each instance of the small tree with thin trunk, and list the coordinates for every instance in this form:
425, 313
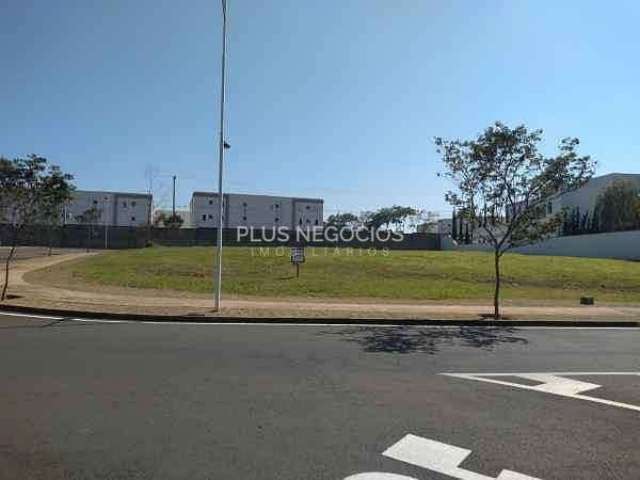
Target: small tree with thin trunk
173, 221
26, 185
89, 218
56, 193
502, 185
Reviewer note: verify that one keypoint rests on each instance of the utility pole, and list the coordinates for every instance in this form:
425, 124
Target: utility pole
221, 147
173, 210
105, 213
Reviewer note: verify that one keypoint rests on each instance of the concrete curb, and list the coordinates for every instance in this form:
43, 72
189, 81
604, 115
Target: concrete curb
302, 321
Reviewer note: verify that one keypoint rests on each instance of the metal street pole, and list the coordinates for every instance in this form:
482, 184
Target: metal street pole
173, 210
218, 270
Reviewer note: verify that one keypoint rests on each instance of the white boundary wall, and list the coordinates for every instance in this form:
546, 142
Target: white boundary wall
620, 245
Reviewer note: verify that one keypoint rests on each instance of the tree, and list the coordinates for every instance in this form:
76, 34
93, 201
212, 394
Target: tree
424, 221
502, 173
454, 225
595, 221
57, 190
398, 216
173, 221
342, 220
159, 219
89, 218
28, 189
618, 207
379, 218
387, 216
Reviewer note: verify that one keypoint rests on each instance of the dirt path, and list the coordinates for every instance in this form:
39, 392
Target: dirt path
163, 303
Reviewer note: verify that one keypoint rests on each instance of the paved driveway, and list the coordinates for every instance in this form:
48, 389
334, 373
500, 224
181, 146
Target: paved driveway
24, 253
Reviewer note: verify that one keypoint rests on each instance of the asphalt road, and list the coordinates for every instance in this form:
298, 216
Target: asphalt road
84, 400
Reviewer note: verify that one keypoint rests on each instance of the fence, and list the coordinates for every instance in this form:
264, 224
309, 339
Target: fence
99, 237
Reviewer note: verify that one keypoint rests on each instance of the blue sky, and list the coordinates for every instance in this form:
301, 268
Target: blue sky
336, 99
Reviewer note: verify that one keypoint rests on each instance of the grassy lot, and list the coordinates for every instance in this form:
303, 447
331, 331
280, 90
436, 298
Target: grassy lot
428, 276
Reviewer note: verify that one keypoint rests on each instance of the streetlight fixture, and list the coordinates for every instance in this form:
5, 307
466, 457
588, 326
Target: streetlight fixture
222, 146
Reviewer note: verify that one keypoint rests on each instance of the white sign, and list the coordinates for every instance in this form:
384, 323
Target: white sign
297, 255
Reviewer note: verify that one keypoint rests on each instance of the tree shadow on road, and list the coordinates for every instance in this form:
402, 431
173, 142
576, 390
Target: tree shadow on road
405, 339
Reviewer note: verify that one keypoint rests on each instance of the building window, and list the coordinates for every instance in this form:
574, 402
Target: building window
550, 208
244, 204
300, 222
95, 202
316, 222
277, 205
133, 204
277, 219
244, 218
308, 207
124, 204
133, 219
210, 202
204, 217
210, 217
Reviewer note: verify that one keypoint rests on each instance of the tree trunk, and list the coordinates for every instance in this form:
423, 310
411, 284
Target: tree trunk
49, 241
496, 295
6, 272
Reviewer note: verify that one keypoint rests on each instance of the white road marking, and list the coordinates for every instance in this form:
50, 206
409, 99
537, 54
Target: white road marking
378, 476
442, 458
553, 383
559, 385
97, 320
44, 317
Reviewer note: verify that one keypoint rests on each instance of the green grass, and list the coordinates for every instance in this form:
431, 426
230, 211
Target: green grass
424, 275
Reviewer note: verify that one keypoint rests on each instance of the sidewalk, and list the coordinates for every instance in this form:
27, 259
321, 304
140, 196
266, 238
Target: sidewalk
159, 303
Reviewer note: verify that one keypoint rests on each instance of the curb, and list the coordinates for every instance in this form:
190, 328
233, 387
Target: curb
310, 321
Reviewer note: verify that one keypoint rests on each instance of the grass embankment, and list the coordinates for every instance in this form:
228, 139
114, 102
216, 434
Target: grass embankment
427, 276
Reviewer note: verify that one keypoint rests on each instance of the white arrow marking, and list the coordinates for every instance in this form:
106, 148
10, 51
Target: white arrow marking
554, 383
440, 457
378, 476
559, 385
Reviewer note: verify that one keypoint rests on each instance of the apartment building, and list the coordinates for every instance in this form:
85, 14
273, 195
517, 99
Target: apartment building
111, 208
255, 211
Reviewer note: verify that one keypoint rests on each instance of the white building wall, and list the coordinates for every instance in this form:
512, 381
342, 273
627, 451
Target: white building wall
617, 245
82, 201
131, 210
307, 213
114, 209
258, 211
255, 211
204, 209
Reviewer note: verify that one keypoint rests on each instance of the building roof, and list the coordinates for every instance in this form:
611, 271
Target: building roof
299, 199
118, 194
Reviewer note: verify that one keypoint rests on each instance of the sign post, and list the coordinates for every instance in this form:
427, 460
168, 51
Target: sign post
297, 258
